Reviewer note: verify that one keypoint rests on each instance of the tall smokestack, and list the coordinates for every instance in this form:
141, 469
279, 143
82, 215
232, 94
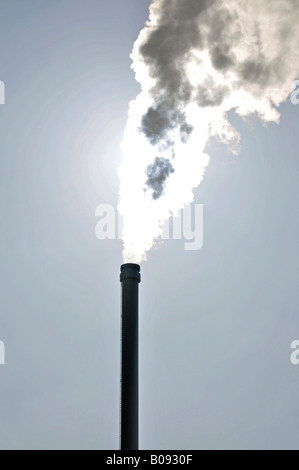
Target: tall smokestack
130, 279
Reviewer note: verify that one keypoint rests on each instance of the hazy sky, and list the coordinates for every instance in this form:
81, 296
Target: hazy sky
215, 325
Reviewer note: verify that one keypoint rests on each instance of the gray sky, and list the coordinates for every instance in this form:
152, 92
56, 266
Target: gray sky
215, 325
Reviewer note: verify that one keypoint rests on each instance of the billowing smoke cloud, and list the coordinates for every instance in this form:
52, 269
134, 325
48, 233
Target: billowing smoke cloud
196, 60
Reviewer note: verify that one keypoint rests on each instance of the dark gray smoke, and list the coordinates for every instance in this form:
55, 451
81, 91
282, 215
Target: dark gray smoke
157, 174
164, 52
250, 45
157, 123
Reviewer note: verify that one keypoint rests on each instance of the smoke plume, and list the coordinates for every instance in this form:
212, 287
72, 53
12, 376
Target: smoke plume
196, 60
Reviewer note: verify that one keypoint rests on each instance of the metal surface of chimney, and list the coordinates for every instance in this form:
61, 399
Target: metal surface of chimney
129, 433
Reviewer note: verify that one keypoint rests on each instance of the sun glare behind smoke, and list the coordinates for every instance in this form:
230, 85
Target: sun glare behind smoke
196, 60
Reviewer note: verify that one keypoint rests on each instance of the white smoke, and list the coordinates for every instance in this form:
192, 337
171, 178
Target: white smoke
195, 61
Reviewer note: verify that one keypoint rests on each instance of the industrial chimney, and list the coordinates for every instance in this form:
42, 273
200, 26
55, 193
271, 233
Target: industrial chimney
130, 279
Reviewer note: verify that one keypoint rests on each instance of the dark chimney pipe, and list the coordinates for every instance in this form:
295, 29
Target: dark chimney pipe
130, 279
